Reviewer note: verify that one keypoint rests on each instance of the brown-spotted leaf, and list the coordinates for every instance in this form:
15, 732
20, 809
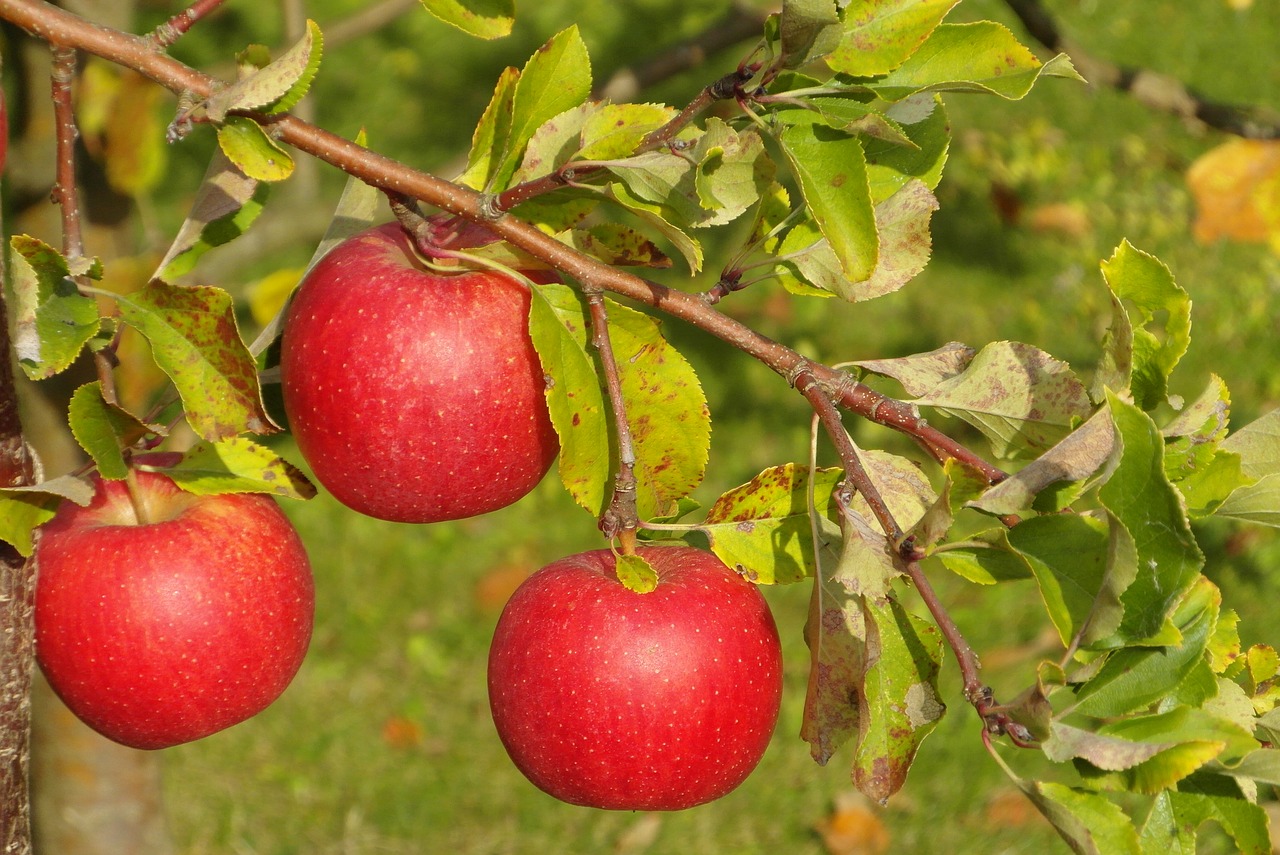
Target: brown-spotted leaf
1236, 187
920, 373
836, 633
1018, 396
900, 692
195, 340
763, 528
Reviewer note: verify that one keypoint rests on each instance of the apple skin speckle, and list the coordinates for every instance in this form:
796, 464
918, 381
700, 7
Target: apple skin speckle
612, 699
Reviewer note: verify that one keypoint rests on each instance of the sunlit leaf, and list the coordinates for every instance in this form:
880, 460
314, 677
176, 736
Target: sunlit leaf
921, 373
1258, 444
1068, 553
831, 168
890, 166
1146, 293
574, 397
247, 145
879, 35
489, 140
663, 219
285, 78
762, 527
982, 56
21, 512
104, 429
238, 465
985, 558
615, 130
195, 340
52, 320
636, 574
136, 156
486, 19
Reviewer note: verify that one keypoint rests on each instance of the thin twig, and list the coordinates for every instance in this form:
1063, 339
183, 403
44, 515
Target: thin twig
621, 518
165, 35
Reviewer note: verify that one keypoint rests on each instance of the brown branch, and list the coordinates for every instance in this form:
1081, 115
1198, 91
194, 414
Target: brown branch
17, 629
165, 35
66, 132
60, 27
1151, 88
621, 518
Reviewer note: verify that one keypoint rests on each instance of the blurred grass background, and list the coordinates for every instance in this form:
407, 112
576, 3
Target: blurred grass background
383, 744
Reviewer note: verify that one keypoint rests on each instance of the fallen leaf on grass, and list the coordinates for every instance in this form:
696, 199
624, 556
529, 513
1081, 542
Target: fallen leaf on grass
1237, 192
853, 828
401, 732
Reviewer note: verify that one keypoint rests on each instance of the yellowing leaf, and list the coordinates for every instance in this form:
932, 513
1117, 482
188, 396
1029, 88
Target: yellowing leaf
268, 294
1236, 187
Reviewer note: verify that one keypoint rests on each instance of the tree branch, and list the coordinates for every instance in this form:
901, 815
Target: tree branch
60, 27
1151, 88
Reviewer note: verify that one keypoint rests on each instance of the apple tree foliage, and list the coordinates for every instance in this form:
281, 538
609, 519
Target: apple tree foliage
1154, 716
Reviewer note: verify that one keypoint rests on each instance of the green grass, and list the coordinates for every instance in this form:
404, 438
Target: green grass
401, 633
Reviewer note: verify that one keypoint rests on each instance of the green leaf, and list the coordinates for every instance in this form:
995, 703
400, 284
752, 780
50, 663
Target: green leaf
1258, 444
879, 35
556, 78
1018, 396
1136, 678
238, 465
247, 145
1148, 506
195, 341
104, 429
554, 143
1184, 739
574, 398
53, 321
226, 204
831, 168
489, 140
636, 574
762, 527
661, 218
901, 704
1078, 456
1256, 503
486, 19
1176, 816
21, 512
1140, 352
279, 85
985, 558
808, 30
979, 57
1088, 822
1068, 553
666, 410
616, 130
891, 166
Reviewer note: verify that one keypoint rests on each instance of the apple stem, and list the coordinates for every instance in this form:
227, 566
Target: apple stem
621, 519
136, 501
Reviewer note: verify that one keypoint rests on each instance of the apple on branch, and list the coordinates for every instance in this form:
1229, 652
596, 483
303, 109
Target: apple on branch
163, 616
614, 699
415, 395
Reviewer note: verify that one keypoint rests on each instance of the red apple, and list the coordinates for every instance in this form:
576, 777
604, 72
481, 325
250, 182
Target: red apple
160, 632
612, 699
415, 396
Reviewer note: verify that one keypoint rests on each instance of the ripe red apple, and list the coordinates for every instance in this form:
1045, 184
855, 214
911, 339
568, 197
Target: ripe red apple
160, 632
660, 701
415, 396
